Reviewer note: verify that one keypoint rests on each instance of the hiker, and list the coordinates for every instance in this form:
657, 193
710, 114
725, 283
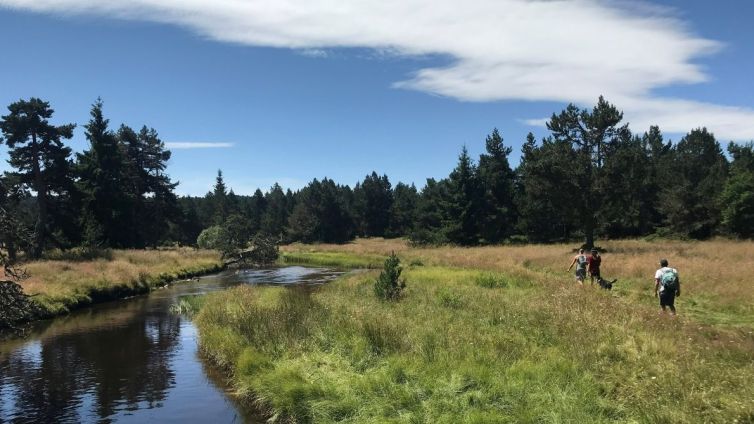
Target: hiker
580, 262
667, 286
593, 263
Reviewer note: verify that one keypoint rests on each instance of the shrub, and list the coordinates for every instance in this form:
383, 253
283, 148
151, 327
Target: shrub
425, 237
264, 250
449, 299
491, 281
216, 238
389, 284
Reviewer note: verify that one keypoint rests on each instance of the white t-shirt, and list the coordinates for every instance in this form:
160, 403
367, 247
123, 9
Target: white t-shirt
661, 271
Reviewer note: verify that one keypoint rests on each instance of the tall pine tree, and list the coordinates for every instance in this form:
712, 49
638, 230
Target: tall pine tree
39, 157
591, 135
462, 225
101, 170
496, 178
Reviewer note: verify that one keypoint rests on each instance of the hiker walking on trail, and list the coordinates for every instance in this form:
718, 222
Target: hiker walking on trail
593, 263
667, 286
580, 261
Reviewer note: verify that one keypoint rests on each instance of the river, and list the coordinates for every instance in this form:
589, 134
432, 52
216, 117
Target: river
129, 361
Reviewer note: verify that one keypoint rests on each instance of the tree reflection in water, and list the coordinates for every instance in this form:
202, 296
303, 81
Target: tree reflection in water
86, 370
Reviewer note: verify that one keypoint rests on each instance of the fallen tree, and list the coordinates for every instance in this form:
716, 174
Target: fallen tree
15, 306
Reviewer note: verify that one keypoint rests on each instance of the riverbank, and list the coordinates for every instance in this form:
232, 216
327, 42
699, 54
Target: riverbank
59, 286
495, 334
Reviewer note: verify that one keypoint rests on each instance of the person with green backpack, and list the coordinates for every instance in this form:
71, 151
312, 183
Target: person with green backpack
667, 286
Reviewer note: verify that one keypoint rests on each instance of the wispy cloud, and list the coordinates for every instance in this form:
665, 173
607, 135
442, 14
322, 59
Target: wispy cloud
315, 53
181, 145
499, 49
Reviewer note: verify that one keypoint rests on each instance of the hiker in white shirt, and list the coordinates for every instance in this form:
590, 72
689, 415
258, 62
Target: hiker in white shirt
667, 286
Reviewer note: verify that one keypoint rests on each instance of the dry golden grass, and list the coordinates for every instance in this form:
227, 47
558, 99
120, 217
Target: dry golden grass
60, 285
716, 275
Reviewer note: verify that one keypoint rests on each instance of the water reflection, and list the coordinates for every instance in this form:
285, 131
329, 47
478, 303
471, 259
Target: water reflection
125, 361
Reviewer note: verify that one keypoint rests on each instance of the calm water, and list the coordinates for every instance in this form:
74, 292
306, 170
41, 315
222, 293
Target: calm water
127, 361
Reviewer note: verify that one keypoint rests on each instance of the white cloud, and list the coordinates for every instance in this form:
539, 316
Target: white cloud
314, 53
182, 145
541, 50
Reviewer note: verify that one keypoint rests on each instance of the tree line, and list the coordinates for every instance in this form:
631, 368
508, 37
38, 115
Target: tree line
590, 177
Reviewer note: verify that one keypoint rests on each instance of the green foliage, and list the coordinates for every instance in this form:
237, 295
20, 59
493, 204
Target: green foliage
491, 281
589, 178
449, 299
187, 305
431, 214
101, 169
699, 171
548, 195
591, 137
321, 214
276, 212
40, 159
389, 285
737, 199
340, 260
463, 202
498, 214
403, 210
263, 250
373, 200
216, 237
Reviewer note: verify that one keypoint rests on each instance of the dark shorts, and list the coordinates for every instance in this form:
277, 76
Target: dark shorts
580, 274
595, 272
667, 298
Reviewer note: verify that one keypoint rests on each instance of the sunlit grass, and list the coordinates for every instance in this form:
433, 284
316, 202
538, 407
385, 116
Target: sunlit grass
496, 334
60, 285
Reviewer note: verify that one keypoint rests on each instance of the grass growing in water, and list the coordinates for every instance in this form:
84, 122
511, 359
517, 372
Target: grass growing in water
462, 346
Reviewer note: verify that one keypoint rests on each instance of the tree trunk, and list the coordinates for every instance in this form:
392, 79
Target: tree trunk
40, 228
10, 246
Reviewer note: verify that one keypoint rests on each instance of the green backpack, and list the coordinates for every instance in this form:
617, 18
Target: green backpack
669, 280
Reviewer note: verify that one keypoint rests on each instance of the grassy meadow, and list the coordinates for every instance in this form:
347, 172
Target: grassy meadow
495, 334
63, 281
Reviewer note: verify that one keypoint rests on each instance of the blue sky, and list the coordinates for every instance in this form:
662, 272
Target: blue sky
288, 91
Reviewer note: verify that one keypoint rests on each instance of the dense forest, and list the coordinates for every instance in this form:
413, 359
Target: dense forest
591, 177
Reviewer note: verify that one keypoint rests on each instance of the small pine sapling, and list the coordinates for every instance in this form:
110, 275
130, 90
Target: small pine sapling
389, 284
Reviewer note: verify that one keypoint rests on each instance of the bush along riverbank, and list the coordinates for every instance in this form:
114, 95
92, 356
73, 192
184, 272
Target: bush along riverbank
472, 338
64, 282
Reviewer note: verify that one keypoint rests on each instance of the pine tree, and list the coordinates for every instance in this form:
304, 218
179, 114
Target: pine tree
320, 214
275, 218
40, 158
496, 178
591, 135
101, 170
463, 202
699, 171
737, 199
220, 200
547, 194
627, 189
373, 199
403, 210
255, 209
431, 214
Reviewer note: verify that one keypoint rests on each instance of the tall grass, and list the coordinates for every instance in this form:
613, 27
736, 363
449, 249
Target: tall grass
60, 285
490, 335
